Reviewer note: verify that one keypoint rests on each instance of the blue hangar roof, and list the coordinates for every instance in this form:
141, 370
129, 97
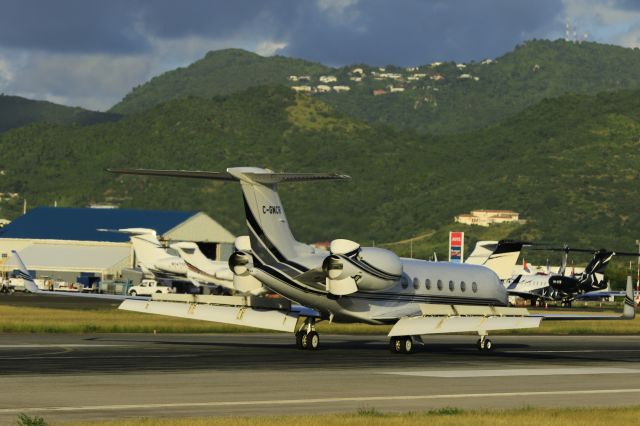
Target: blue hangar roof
77, 224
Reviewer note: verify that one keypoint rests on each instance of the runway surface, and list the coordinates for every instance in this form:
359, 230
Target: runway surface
79, 377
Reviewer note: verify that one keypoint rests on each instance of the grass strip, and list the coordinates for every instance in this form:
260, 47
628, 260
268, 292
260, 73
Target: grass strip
14, 319
440, 417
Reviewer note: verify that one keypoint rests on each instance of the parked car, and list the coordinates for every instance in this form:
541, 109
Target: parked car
149, 287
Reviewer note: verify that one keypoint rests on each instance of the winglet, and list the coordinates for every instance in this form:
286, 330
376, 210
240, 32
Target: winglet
29, 284
629, 311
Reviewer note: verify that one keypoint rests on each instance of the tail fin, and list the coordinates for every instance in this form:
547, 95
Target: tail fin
145, 244
270, 232
23, 273
500, 256
629, 311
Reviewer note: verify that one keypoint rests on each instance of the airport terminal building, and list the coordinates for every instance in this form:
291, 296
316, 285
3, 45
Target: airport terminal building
64, 243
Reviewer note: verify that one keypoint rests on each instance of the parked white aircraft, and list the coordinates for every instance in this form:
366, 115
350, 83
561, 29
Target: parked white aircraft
191, 264
499, 256
350, 283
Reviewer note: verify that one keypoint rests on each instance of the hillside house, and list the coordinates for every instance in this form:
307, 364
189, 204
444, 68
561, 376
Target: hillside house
323, 88
487, 217
328, 79
341, 88
378, 92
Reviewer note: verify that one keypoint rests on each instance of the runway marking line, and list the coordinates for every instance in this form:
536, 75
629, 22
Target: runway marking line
312, 401
455, 374
60, 345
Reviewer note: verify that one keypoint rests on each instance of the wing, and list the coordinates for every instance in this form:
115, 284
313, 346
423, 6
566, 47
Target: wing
444, 319
249, 311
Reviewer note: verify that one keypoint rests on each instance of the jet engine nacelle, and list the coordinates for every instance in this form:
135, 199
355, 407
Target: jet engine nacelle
240, 264
350, 268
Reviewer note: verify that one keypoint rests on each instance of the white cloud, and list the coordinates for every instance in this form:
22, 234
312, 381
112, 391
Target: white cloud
6, 74
270, 48
99, 81
340, 11
604, 21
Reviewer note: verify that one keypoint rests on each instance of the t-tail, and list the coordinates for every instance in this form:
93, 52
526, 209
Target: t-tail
145, 243
270, 235
23, 273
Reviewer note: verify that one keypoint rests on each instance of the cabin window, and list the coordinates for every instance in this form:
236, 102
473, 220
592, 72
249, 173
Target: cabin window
451, 285
474, 287
427, 284
463, 286
416, 283
404, 282
439, 284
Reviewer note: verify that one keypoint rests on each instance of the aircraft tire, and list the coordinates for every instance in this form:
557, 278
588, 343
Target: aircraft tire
313, 341
488, 345
301, 340
133, 293
392, 345
407, 345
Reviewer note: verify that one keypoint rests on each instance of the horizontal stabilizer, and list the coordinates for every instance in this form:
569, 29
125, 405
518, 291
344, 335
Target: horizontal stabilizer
195, 174
259, 175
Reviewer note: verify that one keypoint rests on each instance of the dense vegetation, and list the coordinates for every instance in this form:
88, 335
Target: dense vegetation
490, 92
16, 112
569, 165
219, 73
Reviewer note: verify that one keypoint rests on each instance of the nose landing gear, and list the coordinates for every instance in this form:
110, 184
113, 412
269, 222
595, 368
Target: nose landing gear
484, 344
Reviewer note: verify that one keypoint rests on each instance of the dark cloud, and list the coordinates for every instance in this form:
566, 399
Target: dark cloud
410, 32
86, 26
372, 31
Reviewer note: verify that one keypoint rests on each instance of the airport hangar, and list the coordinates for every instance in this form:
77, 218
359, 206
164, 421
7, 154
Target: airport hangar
64, 243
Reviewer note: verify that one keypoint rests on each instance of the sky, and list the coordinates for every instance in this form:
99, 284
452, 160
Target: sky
91, 53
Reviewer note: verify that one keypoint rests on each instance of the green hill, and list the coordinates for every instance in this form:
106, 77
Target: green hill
16, 112
444, 99
568, 165
219, 73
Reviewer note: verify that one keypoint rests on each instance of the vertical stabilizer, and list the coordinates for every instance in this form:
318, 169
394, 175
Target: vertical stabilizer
268, 225
145, 243
629, 311
23, 273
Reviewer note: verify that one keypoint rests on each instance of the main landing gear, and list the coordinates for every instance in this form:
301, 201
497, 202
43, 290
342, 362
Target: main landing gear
401, 345
307, 337
484, 344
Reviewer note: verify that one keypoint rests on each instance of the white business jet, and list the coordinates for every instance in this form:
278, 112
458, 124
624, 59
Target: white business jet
190, 264
351, 284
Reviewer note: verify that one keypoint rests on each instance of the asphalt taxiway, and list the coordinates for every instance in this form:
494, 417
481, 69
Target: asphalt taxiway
81, 377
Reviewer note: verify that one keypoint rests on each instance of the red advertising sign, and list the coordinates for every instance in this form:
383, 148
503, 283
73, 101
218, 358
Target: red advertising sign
456, 247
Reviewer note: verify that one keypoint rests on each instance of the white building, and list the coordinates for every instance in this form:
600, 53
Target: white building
328, 79
488, 217
65, 243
